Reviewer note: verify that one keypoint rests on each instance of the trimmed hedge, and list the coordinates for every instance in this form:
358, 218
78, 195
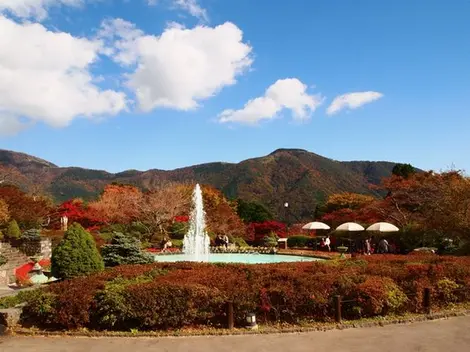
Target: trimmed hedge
299, 241
173, 295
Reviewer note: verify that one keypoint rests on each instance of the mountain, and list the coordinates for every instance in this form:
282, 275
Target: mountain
301, 178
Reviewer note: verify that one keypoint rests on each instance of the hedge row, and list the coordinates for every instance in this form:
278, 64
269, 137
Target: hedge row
163, 296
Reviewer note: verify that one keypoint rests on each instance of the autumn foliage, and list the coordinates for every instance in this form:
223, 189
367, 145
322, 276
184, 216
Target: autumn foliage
256, 231
4, 213
27, 210
429, 202
155, 210
162, 296
221, 214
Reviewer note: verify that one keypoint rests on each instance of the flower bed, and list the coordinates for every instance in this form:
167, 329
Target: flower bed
239, 250
166, 296
168, 250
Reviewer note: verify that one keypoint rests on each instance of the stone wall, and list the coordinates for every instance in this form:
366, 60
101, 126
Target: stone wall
46, 248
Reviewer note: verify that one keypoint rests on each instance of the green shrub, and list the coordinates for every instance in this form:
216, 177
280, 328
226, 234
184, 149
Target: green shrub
114, 228
178, 230
139, 227
31, 235
177, 243
154, 306
299, 241
40, 307
380, 295
76, 254
1, 235
239, 242
124, 250
446, 291
13, 230
20, 297
106, 236
111, 302
270, 240
3, 260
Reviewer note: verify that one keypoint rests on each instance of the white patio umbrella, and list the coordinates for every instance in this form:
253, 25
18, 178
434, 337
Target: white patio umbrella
316, 225
350, 227
383, 227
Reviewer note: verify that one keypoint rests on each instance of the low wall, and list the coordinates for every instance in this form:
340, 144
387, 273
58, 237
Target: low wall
46, 248
42, 247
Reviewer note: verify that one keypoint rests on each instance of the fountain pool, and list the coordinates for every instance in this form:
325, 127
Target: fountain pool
238, 258
196, 244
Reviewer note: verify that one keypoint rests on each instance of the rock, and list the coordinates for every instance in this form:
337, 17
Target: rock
10, 317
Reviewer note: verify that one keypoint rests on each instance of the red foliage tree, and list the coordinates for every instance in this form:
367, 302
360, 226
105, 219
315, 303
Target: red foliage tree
181, 218
4, 213
118, 204
26, 210
77, 211
221, 215
256, 231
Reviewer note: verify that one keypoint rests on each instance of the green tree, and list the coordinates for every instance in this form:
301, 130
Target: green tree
403, 170
270, 240
124, 250
13, 230
76, 254
252, 212
178, 230
31, 235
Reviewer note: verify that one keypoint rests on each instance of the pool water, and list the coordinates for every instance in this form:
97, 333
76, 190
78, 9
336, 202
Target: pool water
239, 258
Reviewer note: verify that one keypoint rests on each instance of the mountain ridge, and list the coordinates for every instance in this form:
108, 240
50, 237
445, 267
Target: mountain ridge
298, 176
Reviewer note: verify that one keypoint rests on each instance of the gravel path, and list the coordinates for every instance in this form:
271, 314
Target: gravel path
441, 335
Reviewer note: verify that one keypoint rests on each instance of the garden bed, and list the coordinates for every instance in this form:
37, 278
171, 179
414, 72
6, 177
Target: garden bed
172, 296
280, 328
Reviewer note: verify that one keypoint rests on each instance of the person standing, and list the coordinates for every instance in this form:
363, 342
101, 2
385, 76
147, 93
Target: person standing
368, 246
226, 241
327, 243
383, 246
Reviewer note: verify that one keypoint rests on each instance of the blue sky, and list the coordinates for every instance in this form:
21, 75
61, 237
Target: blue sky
401, 67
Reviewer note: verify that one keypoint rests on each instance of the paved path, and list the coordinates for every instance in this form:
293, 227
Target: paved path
441, 335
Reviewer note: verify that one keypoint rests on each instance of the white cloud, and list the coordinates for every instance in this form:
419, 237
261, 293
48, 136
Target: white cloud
180, 67
10, 125
190, 6
44, 76
289, 93
34, 8
352, 101
193, 8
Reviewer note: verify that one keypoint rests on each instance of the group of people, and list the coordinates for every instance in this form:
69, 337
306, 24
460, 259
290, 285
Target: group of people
221, 241
366, 246
369, 246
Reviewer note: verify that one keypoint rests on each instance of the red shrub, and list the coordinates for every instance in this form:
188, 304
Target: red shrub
176, 294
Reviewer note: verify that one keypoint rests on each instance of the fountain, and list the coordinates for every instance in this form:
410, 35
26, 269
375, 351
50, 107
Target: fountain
196, 242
